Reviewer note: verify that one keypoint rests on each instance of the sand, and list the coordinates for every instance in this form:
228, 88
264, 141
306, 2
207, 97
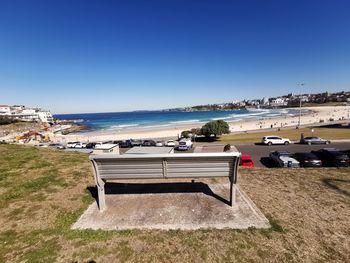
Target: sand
313, 117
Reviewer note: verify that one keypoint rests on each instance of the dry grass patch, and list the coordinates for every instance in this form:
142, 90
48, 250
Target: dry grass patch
309, 211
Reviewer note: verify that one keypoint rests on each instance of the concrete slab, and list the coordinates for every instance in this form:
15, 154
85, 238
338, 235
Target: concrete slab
185, 206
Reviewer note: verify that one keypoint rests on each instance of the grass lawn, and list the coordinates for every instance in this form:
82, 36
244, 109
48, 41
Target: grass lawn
292, 134
43, 192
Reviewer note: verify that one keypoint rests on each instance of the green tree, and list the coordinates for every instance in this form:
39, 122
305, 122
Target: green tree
185, 134
217, 128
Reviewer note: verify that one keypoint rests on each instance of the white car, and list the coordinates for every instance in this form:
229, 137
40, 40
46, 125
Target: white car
159, 144
272, 139
72, 144
185, 144
80, 145
170, 143
283, 159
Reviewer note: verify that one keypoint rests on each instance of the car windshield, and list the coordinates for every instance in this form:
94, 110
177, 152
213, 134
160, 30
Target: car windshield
339, 155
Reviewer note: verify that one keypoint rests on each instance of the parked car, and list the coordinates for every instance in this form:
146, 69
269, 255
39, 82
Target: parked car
125, 144
170, 143
72, 144
314, 140
43, 145
271, 139
57, 146
246, 161
185, 144
284, 159
159, 143
347, 152
333, 157
90, 145
307, 160
135, 142
148, 143
80, 145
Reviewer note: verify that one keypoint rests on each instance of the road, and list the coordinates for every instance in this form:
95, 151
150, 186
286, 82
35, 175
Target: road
260, 153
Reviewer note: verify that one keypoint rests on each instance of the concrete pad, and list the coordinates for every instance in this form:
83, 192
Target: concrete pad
185, 206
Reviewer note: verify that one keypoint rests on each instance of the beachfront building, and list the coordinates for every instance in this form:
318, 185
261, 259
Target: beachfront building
278, 102
5, 110
20, 112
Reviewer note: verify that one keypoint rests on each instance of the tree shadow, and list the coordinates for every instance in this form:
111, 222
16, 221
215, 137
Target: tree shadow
206, 139
156, 188
330, 182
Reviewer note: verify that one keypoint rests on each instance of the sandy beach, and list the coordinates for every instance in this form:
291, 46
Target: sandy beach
315, 116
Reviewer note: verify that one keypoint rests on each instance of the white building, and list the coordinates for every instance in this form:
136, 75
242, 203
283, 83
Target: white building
265, 101
45, 116
20, 112
5, 110
278, 102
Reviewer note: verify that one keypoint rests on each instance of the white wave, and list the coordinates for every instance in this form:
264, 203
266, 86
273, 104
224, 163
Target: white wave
155, 126
222, 118
187, 121
273, 114
77, 121
121, 126
259, 110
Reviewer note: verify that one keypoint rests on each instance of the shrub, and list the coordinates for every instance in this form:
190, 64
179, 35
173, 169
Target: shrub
217, 128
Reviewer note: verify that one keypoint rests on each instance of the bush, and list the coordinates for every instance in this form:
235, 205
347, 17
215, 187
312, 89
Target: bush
186, 134
217, 128
6, 120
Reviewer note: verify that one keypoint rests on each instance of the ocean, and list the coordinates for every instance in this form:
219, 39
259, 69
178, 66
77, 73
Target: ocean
157, 119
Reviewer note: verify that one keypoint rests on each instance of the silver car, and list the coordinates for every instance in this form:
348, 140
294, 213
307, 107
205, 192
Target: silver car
314, 140
283, 159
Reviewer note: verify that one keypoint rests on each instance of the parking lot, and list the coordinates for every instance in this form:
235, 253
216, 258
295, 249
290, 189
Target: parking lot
260, 153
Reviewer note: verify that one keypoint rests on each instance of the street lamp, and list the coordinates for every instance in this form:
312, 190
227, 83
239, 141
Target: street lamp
301, 85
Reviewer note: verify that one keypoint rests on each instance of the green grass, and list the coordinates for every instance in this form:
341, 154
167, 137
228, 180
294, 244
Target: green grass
308, 211
292, 134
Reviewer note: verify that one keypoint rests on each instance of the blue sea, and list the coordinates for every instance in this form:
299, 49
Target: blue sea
157, 119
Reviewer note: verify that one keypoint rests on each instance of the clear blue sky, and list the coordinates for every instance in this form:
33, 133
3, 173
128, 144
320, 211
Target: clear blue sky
96, 56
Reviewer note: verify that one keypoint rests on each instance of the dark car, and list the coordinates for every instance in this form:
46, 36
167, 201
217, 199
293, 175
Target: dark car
90, 145
125, 144
314, 140
135, 142
347, 152
308, 160
148, 143
57, 146
332, 157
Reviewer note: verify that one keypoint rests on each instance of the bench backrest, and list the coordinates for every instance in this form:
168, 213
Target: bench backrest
192, 165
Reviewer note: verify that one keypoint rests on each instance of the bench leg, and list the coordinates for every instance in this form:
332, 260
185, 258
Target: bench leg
232, 193
101, 196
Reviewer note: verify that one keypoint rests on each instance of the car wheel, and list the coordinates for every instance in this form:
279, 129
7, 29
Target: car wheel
309, 143
286, 143
269, 143
327, 142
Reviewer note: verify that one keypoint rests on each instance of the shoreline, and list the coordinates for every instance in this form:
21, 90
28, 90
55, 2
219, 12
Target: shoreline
315, 116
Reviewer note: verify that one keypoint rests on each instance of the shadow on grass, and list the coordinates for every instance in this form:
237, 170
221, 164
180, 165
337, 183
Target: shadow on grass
207, 139
267, 162
334, 184
156, 188
335, 126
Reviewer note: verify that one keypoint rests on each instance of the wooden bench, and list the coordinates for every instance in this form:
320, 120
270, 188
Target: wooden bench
155, 166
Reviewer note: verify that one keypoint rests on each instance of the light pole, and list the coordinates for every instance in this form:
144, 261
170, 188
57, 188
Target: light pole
301, 85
